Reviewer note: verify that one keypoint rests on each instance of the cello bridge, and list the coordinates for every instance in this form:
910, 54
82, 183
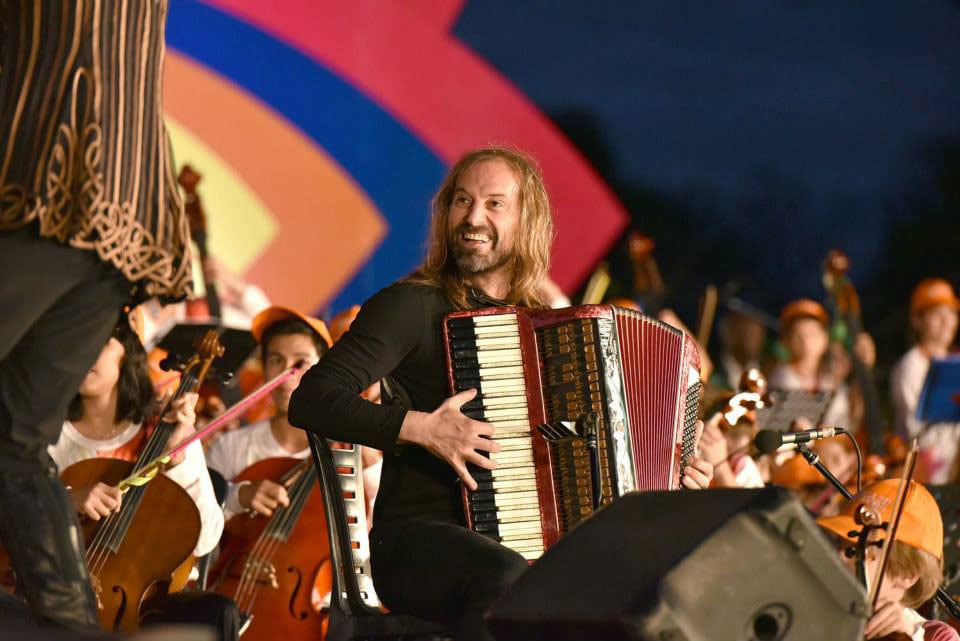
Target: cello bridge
263, 571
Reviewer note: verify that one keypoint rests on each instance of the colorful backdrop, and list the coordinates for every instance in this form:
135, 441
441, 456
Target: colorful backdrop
322, 129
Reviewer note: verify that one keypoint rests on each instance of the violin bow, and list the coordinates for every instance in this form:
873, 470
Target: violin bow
146, 473
708, 312
908, 469
597, 286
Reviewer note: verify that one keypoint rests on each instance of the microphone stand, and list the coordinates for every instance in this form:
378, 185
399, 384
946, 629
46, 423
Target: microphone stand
814, 459
942, 598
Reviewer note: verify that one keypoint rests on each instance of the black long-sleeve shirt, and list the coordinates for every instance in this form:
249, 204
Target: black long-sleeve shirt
397, 334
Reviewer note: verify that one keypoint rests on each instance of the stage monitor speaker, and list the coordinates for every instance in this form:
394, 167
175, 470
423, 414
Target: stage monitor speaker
717, 565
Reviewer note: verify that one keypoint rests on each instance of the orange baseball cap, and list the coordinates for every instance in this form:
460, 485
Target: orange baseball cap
342, 321
932, 292
803, 308
921, 525
271, 315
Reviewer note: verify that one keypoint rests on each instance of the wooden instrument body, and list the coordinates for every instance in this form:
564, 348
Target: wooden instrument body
209, 306
846, 305
156, 555
282, 606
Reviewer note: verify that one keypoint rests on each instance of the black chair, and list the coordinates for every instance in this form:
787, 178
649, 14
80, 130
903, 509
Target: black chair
352, 617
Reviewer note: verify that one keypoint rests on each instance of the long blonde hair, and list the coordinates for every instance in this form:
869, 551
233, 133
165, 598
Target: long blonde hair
531, 258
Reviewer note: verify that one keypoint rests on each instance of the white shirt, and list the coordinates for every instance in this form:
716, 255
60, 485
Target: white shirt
733, 370
747, 474
938, 441
784, 377
191, 474
235, 451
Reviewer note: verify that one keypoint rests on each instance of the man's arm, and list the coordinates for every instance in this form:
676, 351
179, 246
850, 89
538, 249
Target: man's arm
328, 400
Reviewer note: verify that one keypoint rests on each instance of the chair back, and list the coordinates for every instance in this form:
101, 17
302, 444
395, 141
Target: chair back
341, 480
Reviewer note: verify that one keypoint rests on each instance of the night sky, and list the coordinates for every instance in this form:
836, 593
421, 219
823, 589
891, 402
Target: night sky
818, 107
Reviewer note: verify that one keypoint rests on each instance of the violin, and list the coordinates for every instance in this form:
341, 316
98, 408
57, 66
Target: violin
884, 450
743, 405
270, 565
144, 550
869, 522
737, 422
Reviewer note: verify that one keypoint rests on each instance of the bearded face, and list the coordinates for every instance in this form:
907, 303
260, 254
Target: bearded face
483, 218
477, 249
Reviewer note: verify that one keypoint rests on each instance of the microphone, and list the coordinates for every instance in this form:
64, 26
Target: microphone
768, 441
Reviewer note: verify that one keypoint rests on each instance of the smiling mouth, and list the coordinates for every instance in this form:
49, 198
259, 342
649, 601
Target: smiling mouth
475, 238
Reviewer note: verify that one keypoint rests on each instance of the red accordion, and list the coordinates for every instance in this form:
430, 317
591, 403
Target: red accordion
539, 372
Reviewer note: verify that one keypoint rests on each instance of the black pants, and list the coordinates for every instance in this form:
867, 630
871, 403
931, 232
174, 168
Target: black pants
206, 609
58, 306
199, 608
442, 572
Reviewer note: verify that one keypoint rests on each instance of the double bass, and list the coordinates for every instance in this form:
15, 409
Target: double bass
884, 450
270, 565
209, 305
144, 550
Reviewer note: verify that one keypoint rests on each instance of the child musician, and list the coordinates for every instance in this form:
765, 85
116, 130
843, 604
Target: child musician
933, 316
110, 418
915, 567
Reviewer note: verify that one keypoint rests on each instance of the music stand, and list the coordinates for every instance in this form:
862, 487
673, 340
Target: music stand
940, 397
788, 405
238, 346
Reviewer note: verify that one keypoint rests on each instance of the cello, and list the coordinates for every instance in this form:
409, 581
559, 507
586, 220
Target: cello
144, 550
270, 565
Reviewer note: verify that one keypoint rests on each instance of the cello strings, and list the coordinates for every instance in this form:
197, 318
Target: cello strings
252, 566
272, 526
254, 561
106, 536
275, 534
154, 448
119, 521
283, 526
261, 553
110, 534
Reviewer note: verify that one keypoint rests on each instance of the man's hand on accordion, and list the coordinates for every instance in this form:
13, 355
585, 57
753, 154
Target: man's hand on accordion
699, 473
450, 435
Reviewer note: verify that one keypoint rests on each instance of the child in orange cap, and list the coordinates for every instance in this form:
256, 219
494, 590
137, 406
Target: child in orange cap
915, 567
816, 365
286, 336
804, 334
933, 318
